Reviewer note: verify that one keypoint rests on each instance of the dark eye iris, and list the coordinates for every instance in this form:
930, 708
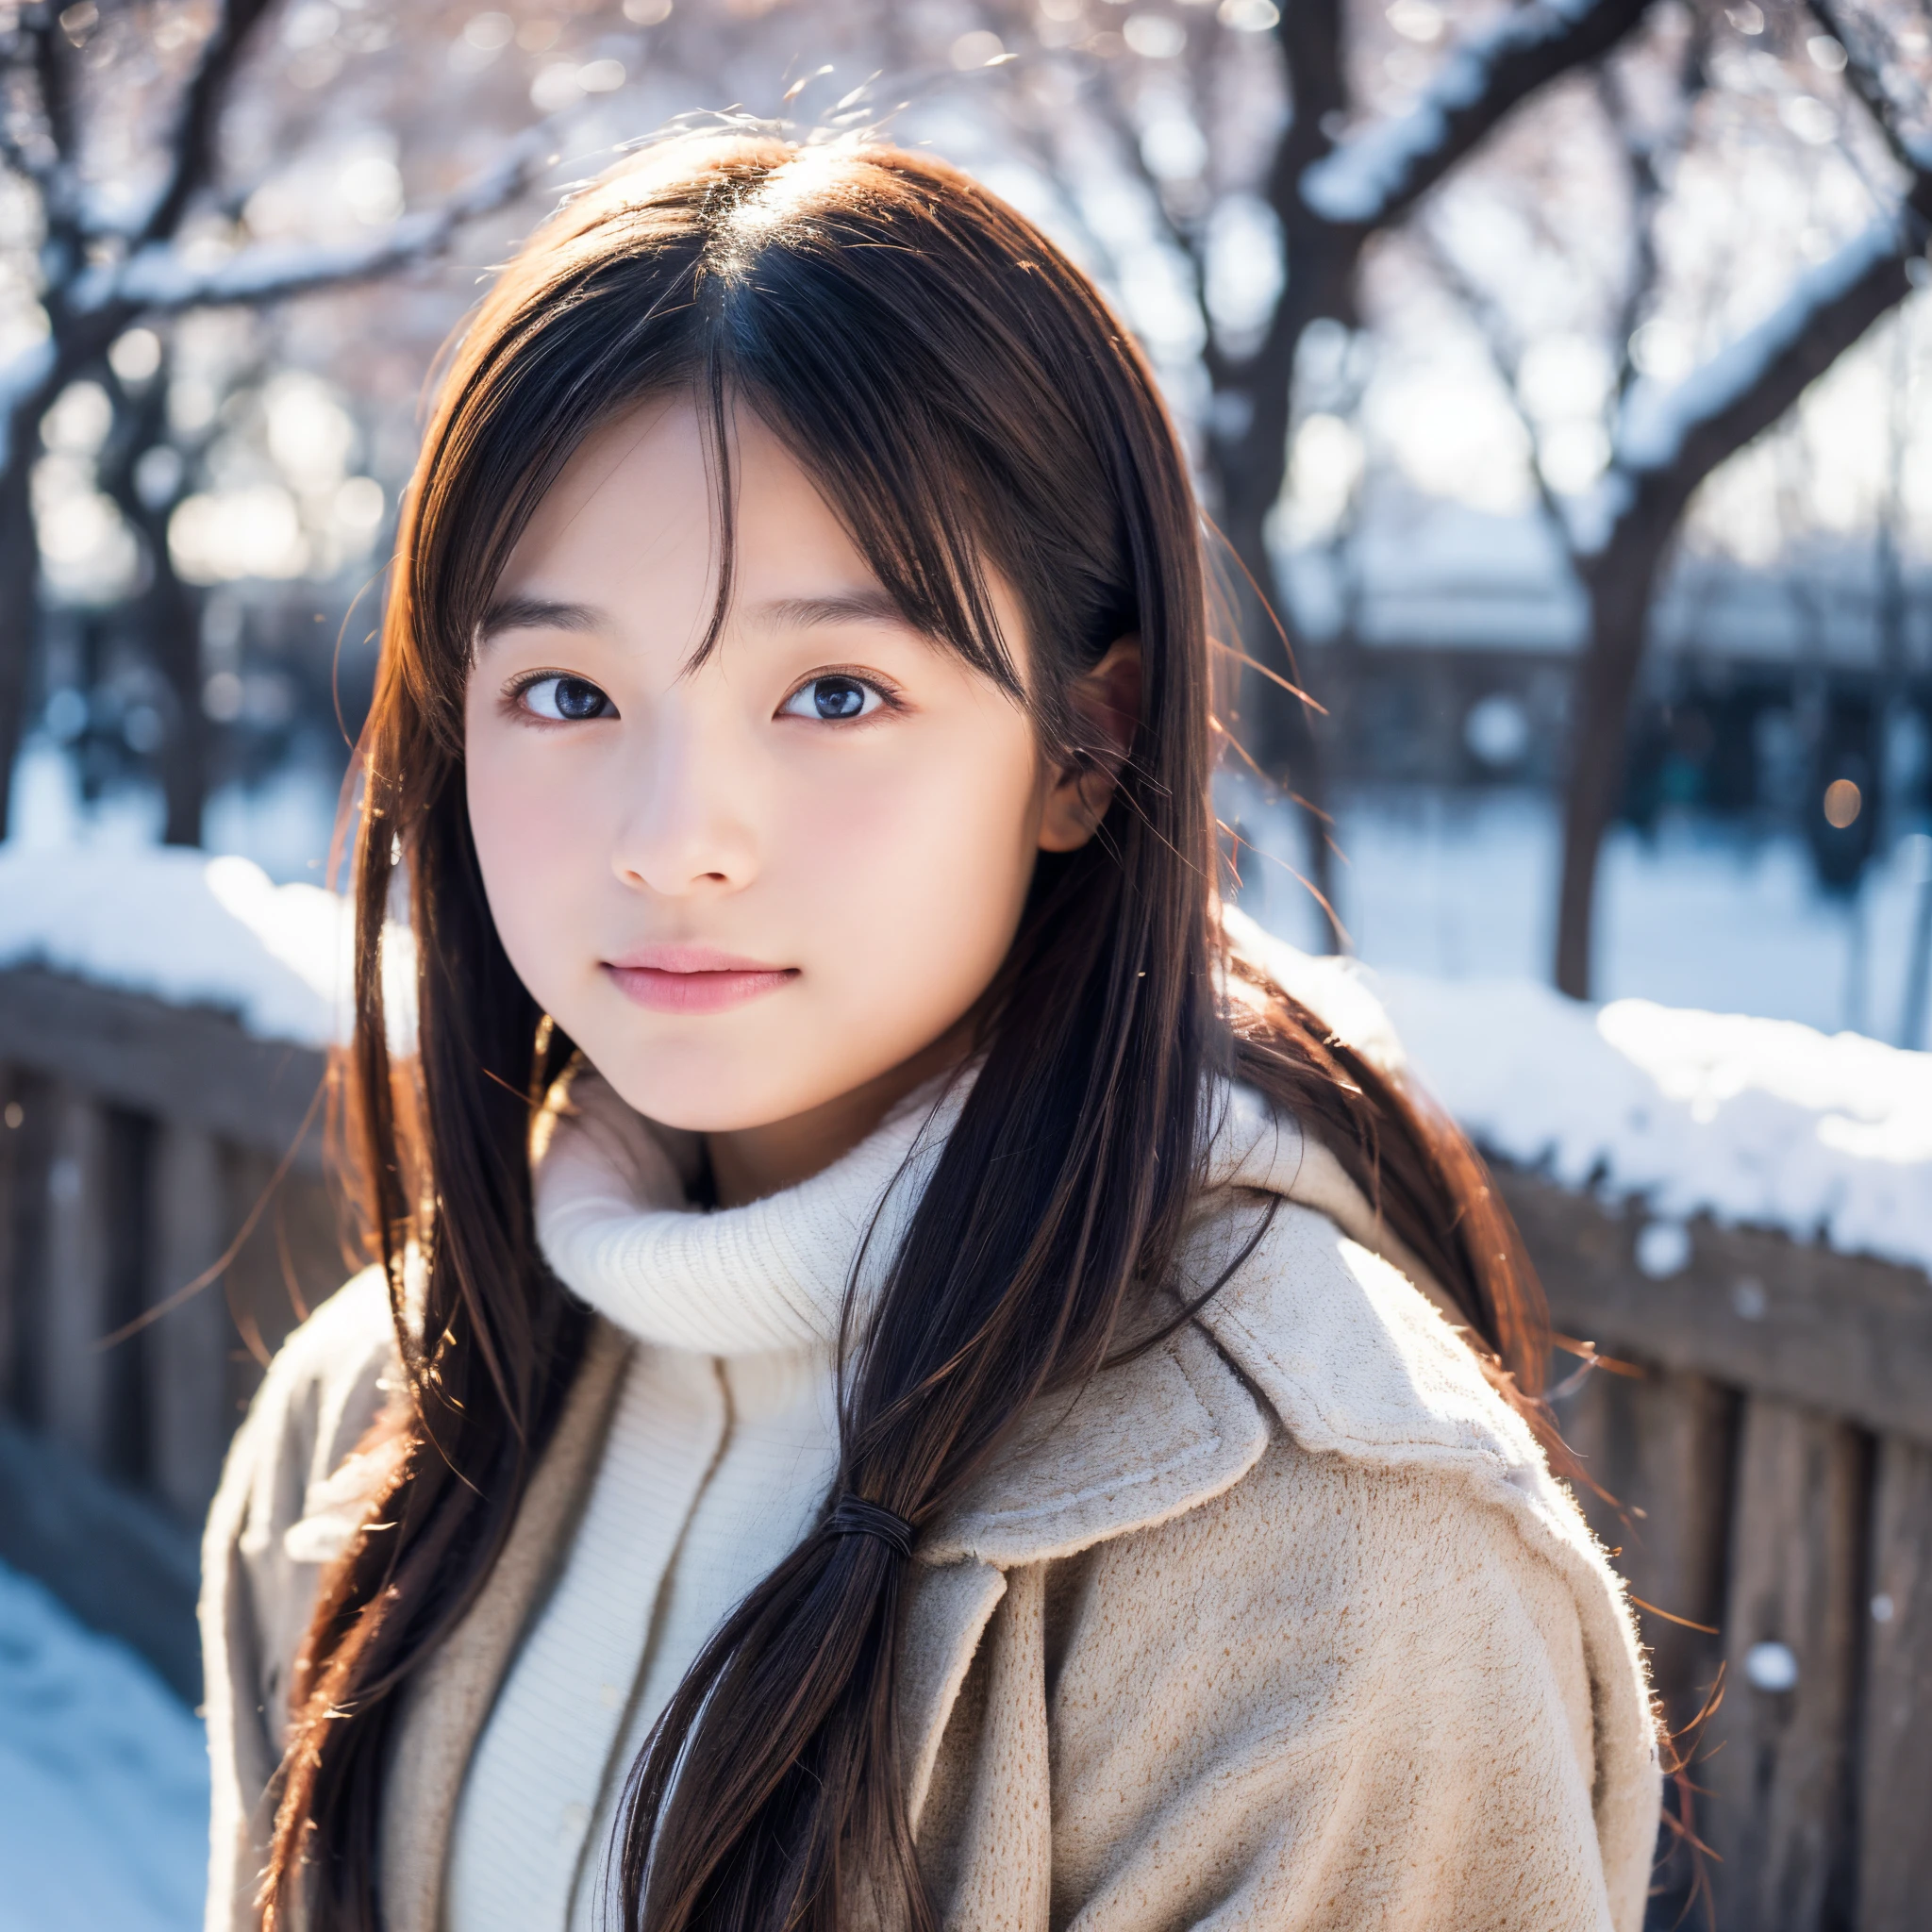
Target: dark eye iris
576, 697
837, 697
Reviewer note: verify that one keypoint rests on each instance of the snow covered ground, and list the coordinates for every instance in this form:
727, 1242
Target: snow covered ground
102, 1780
283, 824
1458, 886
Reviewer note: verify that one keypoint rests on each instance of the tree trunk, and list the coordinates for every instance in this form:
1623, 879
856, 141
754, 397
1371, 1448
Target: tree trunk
20, 555
1852, 291
171, 623
19, 609
1249, 455
1275, 728
1619, 584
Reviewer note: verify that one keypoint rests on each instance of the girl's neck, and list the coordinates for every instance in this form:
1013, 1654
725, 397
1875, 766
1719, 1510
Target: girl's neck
748, 1163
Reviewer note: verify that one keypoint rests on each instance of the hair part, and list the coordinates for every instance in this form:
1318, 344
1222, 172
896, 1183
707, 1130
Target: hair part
967, 404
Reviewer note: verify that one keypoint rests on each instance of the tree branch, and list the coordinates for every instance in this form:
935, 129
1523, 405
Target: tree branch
156, 282
37, 59
52, 79
197, 117
1505, 349
1374, 178
1645, 180
1865, 78
1668, 441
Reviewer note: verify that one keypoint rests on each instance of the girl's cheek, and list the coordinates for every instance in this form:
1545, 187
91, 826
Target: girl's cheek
534, 848
912, 877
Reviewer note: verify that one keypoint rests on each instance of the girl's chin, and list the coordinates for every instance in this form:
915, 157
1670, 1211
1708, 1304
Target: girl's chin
703, 1093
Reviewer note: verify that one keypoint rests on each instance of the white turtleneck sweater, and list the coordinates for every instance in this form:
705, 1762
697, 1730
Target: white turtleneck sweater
722, 1448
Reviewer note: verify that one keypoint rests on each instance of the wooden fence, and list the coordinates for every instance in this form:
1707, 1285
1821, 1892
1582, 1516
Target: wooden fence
137, 1141
1767, 1437
1771, 1458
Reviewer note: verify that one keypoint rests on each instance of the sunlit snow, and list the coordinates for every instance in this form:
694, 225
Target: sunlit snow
102, 1780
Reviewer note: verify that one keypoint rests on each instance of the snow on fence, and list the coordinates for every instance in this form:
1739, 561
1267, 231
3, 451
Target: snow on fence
1737, 1213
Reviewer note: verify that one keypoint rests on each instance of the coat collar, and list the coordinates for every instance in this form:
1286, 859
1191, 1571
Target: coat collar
1330, 1329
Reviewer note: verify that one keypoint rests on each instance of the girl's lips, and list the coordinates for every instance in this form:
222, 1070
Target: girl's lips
693, 979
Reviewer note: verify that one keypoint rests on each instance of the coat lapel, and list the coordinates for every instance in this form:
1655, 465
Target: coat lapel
1140, 1443
1144, 1441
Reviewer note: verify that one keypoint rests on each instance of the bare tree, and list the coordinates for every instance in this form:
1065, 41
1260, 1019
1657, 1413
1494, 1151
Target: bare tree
1333, 177
104, 267
1667, 439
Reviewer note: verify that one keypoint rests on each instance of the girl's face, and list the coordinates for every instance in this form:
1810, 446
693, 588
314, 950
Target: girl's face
749, 889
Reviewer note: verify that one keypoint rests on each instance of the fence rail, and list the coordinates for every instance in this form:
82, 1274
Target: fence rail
1766, 1431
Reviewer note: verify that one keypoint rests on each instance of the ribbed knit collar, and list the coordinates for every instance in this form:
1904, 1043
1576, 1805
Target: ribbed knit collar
614, 1220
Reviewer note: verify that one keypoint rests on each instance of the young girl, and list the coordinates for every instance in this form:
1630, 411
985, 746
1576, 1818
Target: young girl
909, 1383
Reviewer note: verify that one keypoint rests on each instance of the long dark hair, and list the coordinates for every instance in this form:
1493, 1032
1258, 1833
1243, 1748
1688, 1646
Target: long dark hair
967, 403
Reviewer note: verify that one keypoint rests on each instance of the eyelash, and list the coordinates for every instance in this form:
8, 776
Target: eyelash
521, 688
888, 698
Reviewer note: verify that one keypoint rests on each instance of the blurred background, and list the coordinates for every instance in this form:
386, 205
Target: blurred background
1558, 371
1558, 377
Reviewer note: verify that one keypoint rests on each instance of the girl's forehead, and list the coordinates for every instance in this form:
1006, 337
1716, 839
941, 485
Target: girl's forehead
646, 494
641, 515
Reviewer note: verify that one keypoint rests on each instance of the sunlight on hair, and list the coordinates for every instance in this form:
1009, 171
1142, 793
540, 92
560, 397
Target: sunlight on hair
786, 190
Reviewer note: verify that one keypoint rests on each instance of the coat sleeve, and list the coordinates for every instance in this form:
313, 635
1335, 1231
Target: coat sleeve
1334, 1698
290, 1495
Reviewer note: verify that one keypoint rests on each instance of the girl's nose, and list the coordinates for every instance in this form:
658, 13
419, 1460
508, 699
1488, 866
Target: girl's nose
685, 830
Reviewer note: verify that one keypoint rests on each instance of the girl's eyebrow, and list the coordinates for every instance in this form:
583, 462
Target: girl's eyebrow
538, 613
868, 606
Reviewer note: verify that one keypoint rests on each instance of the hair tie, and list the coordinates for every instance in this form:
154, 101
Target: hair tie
853, 1516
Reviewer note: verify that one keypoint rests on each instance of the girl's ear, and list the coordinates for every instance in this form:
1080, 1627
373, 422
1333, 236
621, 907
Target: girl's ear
1107, 713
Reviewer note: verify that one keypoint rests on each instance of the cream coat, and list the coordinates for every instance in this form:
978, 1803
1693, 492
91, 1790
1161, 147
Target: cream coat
1284, 1623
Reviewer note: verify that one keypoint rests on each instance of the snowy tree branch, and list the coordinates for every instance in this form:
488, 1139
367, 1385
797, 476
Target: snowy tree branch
1751, 382
197, 120
1865, 77
154, 280
1668, 439
1377, 176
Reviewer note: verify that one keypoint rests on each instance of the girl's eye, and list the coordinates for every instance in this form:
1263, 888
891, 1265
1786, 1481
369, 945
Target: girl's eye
570, 699
834, 699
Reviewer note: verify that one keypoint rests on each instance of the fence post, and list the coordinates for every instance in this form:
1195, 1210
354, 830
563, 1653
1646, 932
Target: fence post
1781, 1810
186, 1359
1894, 1844
74, 1287
1662, 1446
29, 1154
